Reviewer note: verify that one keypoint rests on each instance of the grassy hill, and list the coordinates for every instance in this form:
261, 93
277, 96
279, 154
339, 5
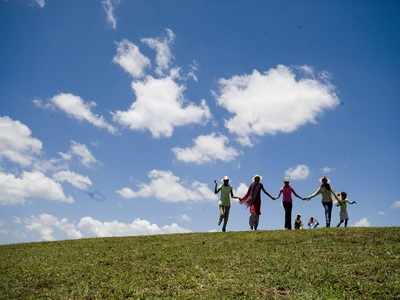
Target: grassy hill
310, 264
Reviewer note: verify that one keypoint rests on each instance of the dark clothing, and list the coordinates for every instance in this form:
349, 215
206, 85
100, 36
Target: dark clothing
297, 224
288, 214
328, 212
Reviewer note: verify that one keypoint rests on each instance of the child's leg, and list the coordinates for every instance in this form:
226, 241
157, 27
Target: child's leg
226, 217
340, 223
221, 214
345, 222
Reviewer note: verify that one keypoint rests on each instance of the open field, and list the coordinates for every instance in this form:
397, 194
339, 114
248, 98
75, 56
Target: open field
359, 263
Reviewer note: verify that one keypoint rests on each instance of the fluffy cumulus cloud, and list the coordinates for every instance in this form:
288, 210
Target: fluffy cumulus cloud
207, 148
109, 8
77, 108
162, 46
167, 187
278, 100
17, 143
185, 218
30, 185
160, 107
49, 227
299, 172
131, 59
77, 180
362, 223
396, 204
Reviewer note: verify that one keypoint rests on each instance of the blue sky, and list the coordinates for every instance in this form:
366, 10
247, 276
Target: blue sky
150, 101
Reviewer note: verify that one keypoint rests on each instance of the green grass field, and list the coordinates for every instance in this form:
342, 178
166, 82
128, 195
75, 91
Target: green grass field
361, 263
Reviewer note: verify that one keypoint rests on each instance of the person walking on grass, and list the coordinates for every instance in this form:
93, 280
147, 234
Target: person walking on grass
287, 192
342, 203
224, 201
326, 191
252, 199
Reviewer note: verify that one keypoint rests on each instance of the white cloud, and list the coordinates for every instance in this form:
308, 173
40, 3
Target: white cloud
77, 108
167, 187
273, 101
163, 51
185, 218
83, 153
362, 223
381, 213
93, 227
131, 59
109, 9
41, 3
50, 227
300, 172
396, 204
17, 143
207, 148
47, 226
241, 190
30, 185
159, 108
77, 180
327, 170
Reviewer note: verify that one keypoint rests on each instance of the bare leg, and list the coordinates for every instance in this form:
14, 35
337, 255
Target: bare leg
340, 223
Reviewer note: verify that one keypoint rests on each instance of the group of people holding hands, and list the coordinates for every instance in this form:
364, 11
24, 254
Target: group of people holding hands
252, 199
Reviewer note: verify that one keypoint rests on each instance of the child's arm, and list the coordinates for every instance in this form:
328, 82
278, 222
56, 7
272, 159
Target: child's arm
232, 196
268, 194
279, 195
317, 192
216, 189
294, 193
351, 202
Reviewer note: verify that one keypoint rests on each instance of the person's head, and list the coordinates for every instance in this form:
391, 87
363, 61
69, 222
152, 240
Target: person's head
286, 181
298, 217
325, 183
225, 180
257, 178
312, 220
343, 195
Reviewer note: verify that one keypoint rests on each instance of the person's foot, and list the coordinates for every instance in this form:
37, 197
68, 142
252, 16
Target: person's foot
223, 229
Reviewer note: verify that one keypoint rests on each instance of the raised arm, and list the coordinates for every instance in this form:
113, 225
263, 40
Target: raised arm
336, 197
351, 202
216, 189
266, 193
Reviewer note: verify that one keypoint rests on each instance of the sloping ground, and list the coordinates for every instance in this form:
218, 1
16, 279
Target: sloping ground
308, 264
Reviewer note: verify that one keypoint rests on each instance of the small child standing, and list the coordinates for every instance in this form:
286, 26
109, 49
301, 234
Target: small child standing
297, 223
342, 203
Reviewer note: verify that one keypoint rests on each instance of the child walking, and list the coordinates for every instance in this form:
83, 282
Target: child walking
287, 192
342, 203
224, 201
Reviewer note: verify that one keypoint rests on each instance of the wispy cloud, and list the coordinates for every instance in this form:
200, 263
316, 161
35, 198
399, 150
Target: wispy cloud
109, 8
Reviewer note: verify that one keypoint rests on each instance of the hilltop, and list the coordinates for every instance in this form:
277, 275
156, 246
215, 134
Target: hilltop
308, 264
